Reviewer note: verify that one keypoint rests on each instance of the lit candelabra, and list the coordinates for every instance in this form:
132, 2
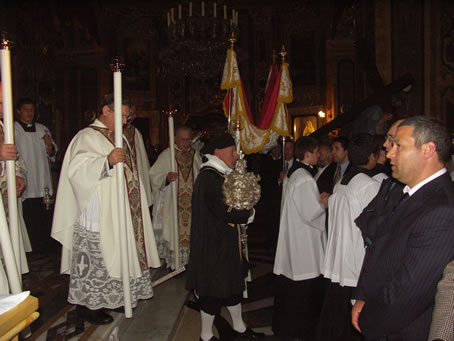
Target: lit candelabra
196, 38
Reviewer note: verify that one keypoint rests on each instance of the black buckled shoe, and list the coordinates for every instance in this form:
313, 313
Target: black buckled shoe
98, 317
248, 334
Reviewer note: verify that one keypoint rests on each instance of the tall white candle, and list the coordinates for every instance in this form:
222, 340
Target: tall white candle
203, 8
225, 12
172, 14
179, 12
168, 19
214, 10
119, 169
174, 189
10, 243
190, 8
8, 130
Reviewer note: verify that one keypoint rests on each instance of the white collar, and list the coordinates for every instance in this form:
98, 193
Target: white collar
217, 163
413, 190
98, 123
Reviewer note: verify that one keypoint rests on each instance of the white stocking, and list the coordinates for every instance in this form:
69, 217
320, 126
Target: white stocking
207, 326
237, 318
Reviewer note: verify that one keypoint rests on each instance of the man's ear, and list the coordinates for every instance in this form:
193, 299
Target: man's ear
429, 150
105, 110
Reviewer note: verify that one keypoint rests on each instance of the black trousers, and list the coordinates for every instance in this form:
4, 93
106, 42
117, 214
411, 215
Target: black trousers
335, 318
213, 305
297, 307
39, 224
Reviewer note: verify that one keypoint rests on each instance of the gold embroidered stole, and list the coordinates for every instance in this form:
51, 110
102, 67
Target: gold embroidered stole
131, 173
185, 186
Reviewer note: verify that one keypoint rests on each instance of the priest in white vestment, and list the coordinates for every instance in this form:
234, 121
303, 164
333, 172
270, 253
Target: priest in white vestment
300, 248
345, 248
86, 218
188, 163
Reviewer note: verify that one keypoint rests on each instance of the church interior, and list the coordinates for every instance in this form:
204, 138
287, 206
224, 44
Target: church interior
345, 57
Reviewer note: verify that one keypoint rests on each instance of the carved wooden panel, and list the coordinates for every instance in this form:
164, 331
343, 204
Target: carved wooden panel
447, 106
407, 47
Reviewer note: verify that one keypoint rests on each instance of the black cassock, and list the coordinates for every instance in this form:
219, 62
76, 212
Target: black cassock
214, 268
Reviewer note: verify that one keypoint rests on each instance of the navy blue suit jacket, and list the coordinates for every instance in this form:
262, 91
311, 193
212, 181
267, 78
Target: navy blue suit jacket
404, 263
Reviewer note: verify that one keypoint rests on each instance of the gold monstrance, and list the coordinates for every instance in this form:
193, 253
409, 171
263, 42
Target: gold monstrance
241, 188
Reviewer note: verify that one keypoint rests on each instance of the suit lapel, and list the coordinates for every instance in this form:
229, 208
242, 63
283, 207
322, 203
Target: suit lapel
399, 218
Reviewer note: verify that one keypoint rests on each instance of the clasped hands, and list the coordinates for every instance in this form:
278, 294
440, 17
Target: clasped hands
48, 143
324, 199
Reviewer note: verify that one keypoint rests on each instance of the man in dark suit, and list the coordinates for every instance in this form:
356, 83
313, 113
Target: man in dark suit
381, 206
339, 148
326, 169
413, 243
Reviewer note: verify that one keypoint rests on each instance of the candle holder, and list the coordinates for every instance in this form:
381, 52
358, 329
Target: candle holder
117, 65
283, 53
196, 38
5, 44
172, 112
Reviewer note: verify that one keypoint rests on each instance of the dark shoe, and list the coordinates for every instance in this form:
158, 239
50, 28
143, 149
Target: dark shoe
193, 305
213, 338
248, 334
98, 317
120, 310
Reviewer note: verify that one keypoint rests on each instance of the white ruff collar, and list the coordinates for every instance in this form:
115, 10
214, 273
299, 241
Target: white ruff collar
218, 164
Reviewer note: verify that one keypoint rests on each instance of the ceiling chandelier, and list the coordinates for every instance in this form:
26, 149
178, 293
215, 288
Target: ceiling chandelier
197, 38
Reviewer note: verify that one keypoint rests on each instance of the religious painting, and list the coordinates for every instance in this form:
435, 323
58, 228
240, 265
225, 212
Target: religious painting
303, 67
136, 75
304, 125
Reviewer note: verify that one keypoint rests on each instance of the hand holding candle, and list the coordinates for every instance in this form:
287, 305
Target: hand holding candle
8, 152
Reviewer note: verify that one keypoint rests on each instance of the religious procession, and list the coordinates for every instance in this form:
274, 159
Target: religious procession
207, 216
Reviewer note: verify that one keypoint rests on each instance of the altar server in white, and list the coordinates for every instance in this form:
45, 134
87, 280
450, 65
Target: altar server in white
86, 219
345, 249
301, 247
35, 145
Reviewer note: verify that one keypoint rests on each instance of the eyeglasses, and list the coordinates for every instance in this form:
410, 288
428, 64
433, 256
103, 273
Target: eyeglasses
390, 138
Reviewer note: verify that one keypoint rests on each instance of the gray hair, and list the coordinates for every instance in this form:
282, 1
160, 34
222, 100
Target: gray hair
182, 128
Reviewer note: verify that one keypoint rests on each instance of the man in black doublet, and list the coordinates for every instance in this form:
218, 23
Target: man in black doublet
215, 260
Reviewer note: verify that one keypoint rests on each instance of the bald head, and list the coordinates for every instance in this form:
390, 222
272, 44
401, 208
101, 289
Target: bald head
391, 135
326, 156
